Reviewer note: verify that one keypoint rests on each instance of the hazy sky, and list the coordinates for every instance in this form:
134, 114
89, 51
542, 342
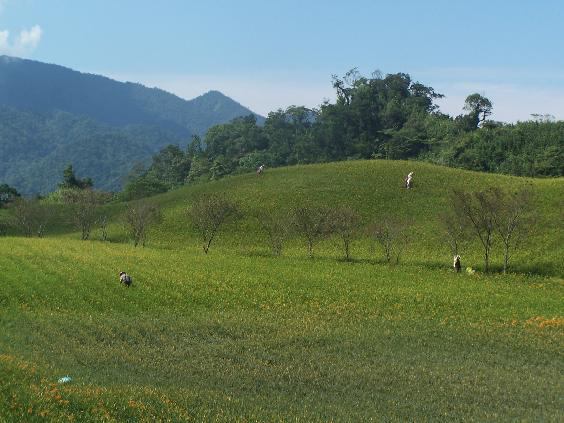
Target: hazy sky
272, 54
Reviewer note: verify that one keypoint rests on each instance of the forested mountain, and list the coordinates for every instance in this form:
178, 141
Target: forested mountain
35, 148
51, 116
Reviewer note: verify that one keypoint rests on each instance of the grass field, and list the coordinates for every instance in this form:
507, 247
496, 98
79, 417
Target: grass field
240, 335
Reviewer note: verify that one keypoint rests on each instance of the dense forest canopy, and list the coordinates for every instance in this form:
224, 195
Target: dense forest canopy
389, 117
48, 143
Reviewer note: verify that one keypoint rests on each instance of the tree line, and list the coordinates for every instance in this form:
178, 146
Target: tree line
376, 117
494, 214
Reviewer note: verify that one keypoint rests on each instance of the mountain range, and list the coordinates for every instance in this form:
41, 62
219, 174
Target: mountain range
52, 116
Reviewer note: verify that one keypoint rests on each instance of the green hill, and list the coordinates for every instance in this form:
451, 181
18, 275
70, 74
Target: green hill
239, 335
374, 189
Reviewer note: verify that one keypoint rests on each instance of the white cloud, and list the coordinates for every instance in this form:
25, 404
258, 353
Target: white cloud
24, 44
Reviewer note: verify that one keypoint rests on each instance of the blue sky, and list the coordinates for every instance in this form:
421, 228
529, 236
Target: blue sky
268, 55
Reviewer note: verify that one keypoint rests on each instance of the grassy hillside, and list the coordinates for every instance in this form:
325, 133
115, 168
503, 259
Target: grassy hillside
240, 335
374, 189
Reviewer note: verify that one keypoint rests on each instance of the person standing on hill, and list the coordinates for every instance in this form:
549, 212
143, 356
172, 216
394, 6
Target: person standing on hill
409, 180
260, 169
457, 266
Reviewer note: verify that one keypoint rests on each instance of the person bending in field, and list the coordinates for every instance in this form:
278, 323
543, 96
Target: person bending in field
125, 279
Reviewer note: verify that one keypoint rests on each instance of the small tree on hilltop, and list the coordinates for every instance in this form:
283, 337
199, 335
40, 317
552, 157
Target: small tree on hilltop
4, 228
392, 237
84, 205
345, 223
139, 217
477, 212
208, 213
512, 219
102, 223
276, 227
454, 231
479, 107
30, 216
313, 223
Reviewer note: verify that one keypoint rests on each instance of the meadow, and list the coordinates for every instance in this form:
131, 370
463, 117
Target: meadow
240, 335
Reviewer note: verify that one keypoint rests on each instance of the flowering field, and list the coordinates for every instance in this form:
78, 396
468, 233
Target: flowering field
239, 335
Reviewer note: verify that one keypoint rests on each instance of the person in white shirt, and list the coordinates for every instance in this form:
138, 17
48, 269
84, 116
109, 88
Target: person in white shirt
457, 266
260, 169
408, 180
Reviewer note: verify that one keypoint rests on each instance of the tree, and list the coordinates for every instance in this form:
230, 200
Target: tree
478, 106
30, 216
199, 169
392, 237
208, 213
220, 167
70, 181
477, 211
194, 148
276, 228
144, 186
102, 223
512, 219
170, 166
3, 228
139, 217
345, 223
84, 205
312, 223
454, 231
7, 195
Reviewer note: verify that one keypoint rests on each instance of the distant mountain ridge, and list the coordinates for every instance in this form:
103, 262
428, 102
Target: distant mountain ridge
40, 87
51, 116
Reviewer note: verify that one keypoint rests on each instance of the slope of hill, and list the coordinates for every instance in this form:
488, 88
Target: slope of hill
51, 116
374, 189
239, 335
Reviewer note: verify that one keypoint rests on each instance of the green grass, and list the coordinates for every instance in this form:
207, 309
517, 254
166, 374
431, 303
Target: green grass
239, 335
